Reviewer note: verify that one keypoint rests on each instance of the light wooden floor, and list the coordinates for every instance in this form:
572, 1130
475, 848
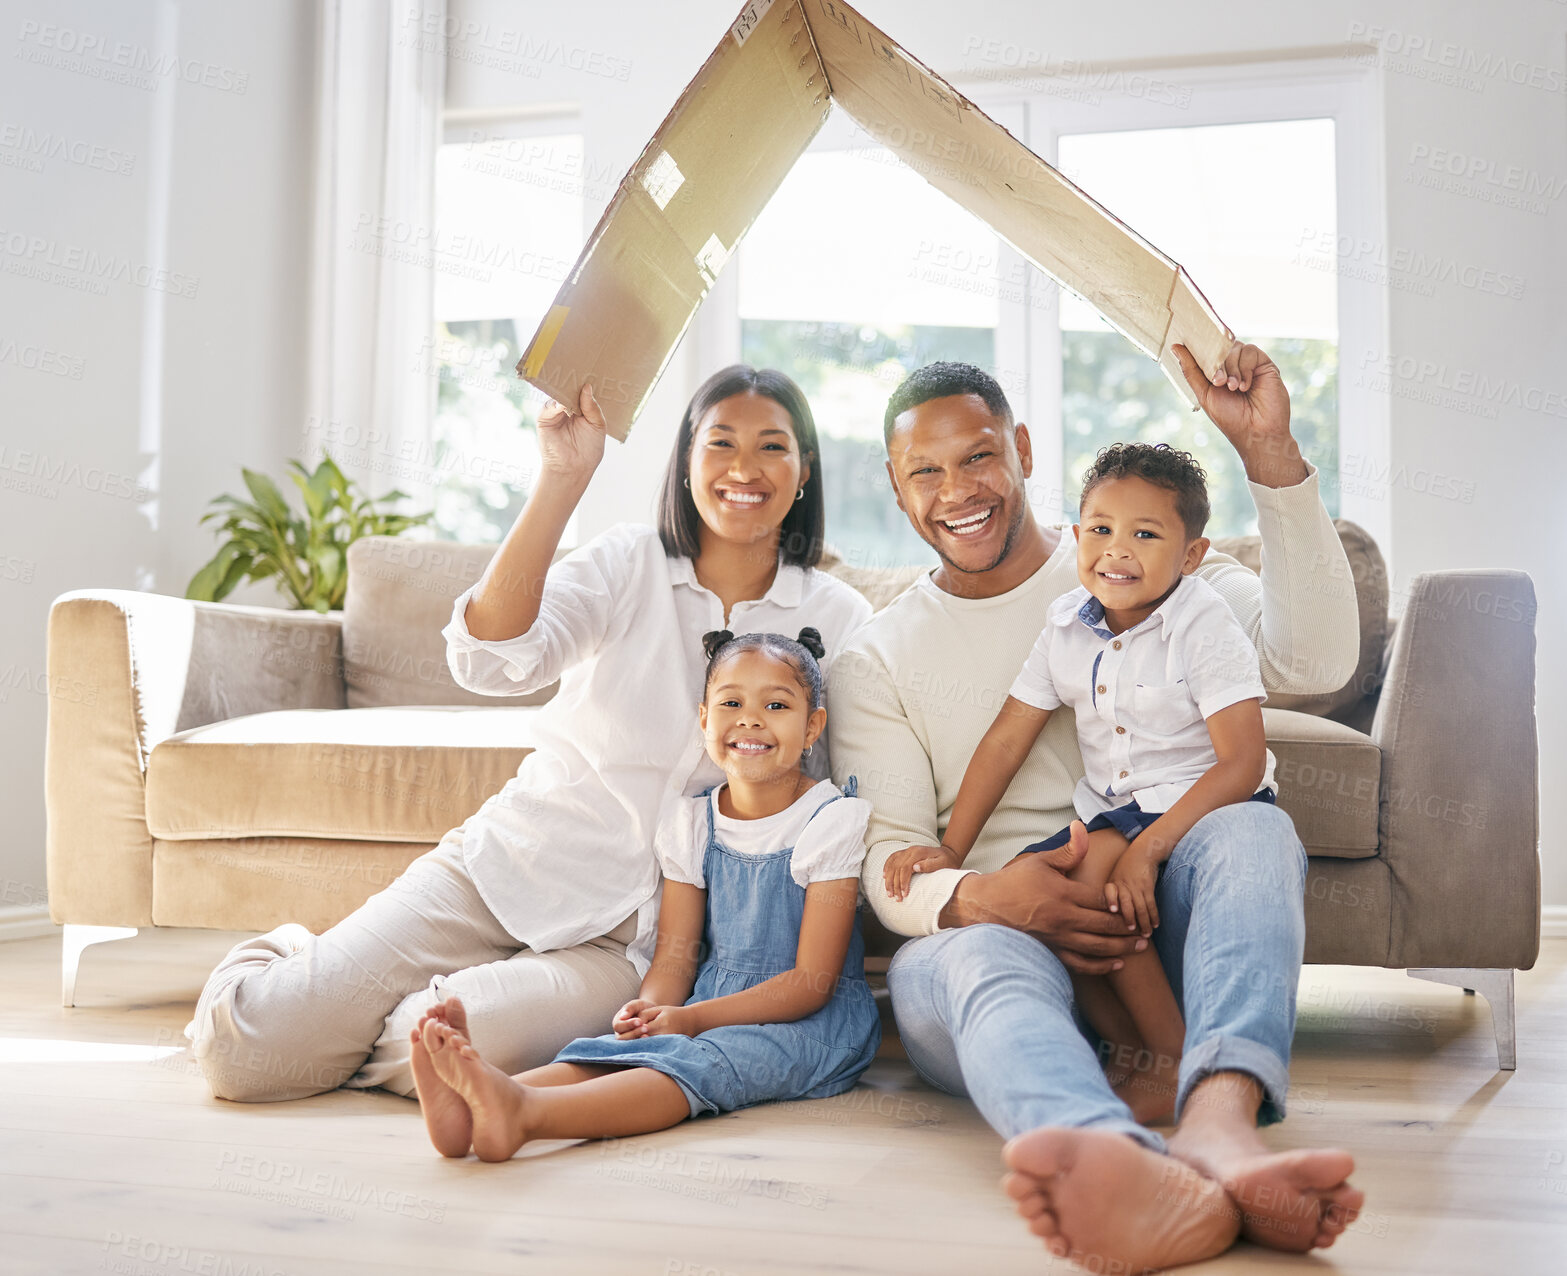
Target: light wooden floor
113, 1158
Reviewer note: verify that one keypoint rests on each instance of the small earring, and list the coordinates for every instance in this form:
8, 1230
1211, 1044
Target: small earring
687, 482
808, 749
799, 494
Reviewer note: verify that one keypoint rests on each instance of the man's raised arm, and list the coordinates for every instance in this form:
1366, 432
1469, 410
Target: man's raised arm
1302, 614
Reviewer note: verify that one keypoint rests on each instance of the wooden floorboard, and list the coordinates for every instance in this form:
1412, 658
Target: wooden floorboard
113, 1158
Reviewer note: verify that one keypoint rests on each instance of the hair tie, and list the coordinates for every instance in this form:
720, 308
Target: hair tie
811, 640
714, 639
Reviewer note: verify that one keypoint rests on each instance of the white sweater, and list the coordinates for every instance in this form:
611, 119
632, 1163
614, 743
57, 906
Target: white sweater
917, 687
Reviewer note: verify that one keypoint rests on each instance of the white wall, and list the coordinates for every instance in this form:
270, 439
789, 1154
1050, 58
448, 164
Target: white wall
179, 392
174, 392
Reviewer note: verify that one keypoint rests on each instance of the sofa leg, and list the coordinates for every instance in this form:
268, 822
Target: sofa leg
74, 941
1496, 986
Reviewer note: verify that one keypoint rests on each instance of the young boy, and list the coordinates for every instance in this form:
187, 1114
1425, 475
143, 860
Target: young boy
1168, 696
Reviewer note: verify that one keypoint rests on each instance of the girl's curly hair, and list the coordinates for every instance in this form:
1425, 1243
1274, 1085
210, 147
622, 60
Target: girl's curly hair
802, 654
1163, 465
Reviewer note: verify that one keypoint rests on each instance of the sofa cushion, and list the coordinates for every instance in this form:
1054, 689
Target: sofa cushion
399, 598
1369, 573
1330, 779
394, 775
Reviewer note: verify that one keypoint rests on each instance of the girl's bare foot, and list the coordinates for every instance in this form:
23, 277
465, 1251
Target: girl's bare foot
446, 1114
495, 1102
1110, 1204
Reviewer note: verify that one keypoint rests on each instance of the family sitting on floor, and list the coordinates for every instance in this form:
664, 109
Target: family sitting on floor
656, 918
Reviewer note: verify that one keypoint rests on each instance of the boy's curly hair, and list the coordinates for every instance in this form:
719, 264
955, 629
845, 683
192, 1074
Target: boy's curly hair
1163, 465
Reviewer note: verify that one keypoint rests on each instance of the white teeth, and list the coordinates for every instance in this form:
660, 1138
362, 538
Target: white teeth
973, 523
743, 498
750, 747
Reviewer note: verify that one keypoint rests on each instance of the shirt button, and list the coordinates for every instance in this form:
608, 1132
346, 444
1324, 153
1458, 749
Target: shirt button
1101, 688
1116, 644
1123, 775
1120, 731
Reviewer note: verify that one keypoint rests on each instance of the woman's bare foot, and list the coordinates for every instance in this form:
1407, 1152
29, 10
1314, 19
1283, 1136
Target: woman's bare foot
495, 1102
1292, 1201
1109, 1204
446, 1114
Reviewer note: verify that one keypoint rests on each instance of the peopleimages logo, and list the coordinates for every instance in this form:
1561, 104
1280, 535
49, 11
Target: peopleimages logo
92, 53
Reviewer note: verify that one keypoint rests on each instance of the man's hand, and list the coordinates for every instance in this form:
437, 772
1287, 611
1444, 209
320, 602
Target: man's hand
1248, 402
1032, 893
1130, 888
902, 865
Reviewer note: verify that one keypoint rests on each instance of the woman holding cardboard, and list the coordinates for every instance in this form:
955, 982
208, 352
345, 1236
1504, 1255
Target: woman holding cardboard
540, 911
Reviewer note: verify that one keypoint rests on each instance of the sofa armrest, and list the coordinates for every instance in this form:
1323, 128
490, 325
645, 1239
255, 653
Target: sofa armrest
127, 670
1459, 821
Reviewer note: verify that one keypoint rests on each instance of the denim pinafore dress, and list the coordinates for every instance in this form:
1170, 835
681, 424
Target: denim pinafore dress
752, 932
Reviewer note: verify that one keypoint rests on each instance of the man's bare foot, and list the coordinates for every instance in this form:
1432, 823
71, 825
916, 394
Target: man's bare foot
446, 1114
1292, 1201
496, 1102
1110, 1204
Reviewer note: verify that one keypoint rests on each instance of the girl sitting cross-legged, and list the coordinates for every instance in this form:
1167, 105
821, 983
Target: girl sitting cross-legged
761, 880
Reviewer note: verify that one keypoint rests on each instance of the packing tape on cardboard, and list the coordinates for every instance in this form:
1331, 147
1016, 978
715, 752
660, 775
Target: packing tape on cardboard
539, 351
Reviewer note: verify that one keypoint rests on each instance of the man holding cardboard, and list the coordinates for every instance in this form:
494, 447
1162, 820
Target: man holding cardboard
982, 995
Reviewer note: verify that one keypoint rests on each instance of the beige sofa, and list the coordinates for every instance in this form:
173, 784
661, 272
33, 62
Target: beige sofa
238, 767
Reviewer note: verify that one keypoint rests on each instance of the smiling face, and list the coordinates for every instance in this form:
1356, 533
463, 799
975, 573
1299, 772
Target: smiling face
959, 475
757, 718
745, 468
1132, 547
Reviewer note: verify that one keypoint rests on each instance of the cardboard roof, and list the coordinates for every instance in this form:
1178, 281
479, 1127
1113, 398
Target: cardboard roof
725, 148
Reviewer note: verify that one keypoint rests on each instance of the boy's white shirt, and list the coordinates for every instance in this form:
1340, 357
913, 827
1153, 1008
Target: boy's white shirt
915, 689
1141, 697
564, 852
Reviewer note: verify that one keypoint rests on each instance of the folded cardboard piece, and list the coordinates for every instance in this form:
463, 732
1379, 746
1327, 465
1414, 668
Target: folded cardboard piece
734, 134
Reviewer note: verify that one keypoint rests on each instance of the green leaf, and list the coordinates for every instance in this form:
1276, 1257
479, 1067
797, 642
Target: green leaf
205, 583
238, 570
267, 496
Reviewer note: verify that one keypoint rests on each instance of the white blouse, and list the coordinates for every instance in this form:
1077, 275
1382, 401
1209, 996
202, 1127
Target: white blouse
826, 848
564, 852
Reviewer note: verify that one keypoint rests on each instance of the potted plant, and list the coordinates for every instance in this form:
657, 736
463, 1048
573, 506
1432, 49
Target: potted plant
307, 556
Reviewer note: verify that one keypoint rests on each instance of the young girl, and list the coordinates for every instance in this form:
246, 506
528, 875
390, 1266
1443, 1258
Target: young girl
1168, 699
761, 873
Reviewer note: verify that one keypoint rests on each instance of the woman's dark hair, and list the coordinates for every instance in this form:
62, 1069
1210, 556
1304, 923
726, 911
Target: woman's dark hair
1162, 465
802, 654
679, 524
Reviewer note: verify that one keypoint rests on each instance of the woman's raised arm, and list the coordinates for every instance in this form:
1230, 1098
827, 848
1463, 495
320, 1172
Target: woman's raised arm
505, 602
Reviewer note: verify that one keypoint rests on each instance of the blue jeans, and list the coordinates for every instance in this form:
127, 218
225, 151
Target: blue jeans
987, 1012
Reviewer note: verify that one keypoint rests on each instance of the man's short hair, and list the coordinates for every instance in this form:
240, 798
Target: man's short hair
1160, 464
938, 381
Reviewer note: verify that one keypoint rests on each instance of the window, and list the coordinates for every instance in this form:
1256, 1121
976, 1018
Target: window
508, 212
1234, 204
856, 273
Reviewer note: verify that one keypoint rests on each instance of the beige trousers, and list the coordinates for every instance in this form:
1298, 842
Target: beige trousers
289, 1014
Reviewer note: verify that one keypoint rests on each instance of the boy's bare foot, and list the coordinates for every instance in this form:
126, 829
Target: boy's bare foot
1110, 1204
446, 1114
496, 1102
1151, 1099
1293, 1201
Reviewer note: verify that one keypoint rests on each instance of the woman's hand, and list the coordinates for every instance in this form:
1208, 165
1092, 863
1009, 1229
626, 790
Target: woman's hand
571, 444
902, 865
1130, 888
